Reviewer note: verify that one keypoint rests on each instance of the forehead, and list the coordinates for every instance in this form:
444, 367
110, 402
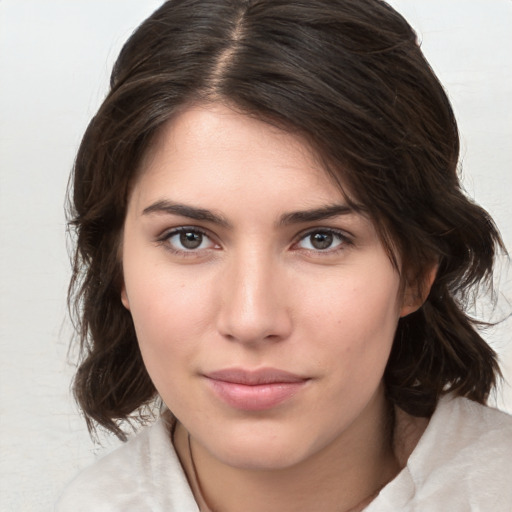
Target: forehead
209, 151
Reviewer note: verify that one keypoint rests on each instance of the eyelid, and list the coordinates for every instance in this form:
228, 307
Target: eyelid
167, 234
347, 239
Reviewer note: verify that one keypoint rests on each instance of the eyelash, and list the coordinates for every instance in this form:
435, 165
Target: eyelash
165, 238
344, 240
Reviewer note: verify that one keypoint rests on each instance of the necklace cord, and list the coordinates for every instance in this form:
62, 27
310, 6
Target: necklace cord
203, 506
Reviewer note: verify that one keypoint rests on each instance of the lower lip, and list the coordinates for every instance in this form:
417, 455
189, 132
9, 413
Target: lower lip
257, 397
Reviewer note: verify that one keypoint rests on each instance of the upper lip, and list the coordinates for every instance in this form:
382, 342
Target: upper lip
254, 377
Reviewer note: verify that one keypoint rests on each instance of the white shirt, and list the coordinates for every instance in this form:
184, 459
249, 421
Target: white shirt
462, 463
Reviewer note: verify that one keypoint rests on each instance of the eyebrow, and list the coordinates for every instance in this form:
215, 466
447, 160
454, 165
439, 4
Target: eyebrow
202, 214
184, 210
323, 213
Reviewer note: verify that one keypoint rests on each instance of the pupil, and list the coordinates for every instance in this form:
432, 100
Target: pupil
321, 240
191, 240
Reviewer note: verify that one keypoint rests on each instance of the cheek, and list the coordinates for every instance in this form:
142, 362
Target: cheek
356, 317
170, 312
357, 299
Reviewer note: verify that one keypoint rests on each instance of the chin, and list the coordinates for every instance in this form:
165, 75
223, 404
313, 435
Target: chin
259, 451
262, 460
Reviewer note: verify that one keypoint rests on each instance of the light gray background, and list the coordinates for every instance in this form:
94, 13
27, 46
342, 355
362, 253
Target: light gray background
55, 57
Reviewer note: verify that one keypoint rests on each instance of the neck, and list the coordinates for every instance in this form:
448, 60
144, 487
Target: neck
342, 477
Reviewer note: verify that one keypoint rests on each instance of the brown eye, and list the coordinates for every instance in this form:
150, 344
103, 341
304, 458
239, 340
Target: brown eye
187, 239
323, 240
191, 240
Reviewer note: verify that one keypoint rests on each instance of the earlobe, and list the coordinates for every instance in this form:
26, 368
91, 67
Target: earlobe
124, 298
415, 295
409, 308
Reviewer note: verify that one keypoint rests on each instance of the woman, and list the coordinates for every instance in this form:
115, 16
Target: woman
272, 239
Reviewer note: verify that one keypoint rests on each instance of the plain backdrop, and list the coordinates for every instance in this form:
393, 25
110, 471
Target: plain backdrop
55, 58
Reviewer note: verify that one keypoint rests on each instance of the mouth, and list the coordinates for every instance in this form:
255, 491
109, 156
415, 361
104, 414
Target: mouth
254, 390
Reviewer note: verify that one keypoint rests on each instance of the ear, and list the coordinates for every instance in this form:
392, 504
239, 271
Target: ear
415, 294
124, 298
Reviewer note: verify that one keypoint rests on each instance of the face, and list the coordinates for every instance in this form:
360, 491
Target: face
265, 308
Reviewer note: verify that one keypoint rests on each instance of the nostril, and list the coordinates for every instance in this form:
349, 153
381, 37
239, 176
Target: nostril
255, 328
253, 304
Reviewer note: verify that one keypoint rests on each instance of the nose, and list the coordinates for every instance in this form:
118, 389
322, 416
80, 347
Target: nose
253, 304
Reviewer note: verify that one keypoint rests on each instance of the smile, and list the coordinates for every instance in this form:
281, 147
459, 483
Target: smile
254, 390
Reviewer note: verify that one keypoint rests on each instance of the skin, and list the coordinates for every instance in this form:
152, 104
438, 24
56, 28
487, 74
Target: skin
257, 292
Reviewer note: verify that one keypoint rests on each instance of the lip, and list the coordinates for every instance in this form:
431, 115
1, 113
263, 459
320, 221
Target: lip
254, 390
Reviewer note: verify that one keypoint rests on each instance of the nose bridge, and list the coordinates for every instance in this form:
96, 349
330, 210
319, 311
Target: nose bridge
253, 305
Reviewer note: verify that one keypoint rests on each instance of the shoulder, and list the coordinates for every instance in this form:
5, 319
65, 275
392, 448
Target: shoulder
464, 459
142, 475
462, 463
461, 429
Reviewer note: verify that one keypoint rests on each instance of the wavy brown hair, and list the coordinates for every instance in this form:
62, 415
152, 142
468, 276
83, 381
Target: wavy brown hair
349, 76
